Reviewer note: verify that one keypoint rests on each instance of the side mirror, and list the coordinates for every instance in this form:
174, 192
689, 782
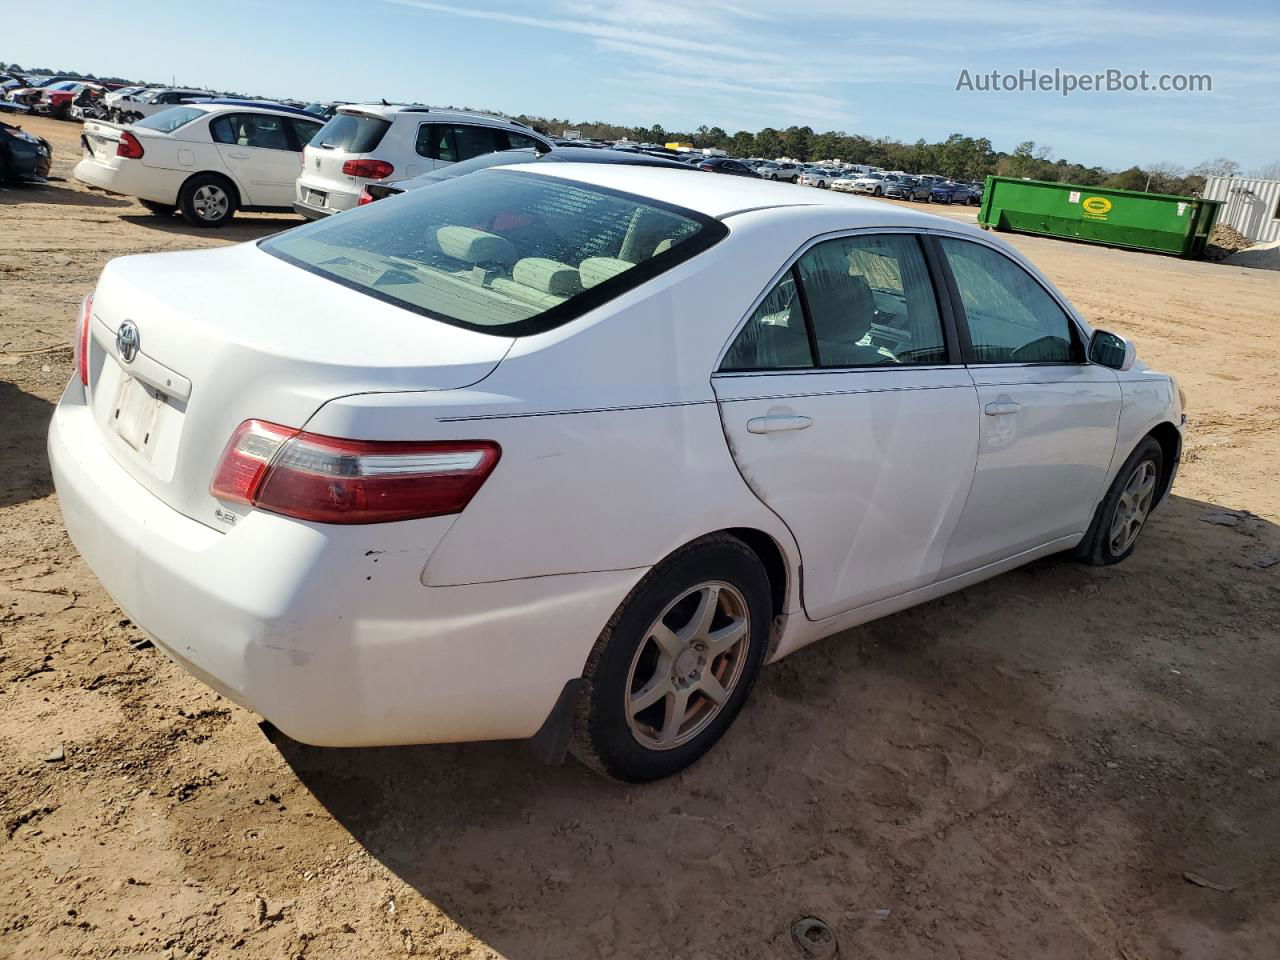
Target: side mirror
1111, 350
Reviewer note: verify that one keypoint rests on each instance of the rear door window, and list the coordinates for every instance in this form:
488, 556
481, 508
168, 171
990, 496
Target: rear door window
435, 142
775, 336
862, 301
251, 130
472, 141
871, 302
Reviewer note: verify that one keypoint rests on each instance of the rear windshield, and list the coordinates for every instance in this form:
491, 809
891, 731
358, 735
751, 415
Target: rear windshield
499, 251
352, 132
171, 119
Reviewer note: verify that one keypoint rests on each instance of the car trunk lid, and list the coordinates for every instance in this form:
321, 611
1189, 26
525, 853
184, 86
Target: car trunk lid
186, 346
100, 139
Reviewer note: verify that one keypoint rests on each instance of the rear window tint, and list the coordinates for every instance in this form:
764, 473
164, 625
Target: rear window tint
351, 132
169, 120
499, 251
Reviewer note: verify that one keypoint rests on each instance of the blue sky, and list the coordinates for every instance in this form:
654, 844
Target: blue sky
875, 67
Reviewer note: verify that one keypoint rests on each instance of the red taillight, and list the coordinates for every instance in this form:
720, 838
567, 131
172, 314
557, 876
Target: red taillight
129, 147
80, 347
369, 169
365, 197
330, 480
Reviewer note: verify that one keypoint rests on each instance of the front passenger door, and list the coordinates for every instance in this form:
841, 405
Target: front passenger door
1049, 418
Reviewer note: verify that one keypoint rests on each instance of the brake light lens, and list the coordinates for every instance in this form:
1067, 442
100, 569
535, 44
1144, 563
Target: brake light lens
80, 347
369, 169
332, 480
129, 146
365, 197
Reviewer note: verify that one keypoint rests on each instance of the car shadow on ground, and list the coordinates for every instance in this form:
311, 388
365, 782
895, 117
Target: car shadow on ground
920, 768
24, 465
13, 194
245, 226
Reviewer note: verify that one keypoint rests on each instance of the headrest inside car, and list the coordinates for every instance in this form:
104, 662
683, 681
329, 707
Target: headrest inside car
596, 270
475, 246
547, 276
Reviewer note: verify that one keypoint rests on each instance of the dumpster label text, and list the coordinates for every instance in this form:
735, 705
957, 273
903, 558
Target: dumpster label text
1074, 197
1095, 208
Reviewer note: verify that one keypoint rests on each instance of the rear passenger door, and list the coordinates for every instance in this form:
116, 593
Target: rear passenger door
261, 152
850, 415
1049, 417
446, 143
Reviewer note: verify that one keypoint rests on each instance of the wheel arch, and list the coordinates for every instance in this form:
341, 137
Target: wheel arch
771, 557
1170, 440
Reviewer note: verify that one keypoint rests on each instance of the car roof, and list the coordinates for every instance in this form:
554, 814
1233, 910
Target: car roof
263, 104
233, 107
721, 197
389, 111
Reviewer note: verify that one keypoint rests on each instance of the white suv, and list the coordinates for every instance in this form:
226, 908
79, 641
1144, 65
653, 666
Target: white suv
366, 143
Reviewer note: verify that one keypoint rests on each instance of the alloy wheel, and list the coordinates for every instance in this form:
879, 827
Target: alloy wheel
210, 202
1133, 507
687, 665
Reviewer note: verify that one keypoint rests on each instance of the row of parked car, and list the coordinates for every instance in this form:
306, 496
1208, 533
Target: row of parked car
929, 188
903, 186
207, 157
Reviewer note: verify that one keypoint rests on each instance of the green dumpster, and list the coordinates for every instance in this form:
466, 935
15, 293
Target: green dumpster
1158, 222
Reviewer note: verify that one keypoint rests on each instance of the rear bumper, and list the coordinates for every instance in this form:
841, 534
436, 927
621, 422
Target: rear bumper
337, 198
326, 631
312, 212
132, 178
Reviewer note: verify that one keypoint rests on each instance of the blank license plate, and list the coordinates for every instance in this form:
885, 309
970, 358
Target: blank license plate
318, 198
134, 413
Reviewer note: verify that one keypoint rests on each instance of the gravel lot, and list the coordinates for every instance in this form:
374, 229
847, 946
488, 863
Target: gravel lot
1065, 762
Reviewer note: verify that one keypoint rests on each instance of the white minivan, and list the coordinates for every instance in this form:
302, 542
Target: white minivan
374, 143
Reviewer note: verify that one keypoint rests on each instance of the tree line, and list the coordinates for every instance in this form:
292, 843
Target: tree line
958, 156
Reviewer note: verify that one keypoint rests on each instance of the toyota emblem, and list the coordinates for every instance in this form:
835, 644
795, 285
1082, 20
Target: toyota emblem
127, 341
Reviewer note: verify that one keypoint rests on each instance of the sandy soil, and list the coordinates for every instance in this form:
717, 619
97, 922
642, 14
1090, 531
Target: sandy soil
1030, 768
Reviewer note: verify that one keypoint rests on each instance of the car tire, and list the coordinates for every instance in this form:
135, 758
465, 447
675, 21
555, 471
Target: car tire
660, 648
159, 209
1124, 511
207, 200
877, 192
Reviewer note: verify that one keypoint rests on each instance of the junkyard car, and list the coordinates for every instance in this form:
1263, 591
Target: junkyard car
505, 158
366, 143
819, 177
542, 451
147, 103
207, 160
872, 183
905, 188
23, 155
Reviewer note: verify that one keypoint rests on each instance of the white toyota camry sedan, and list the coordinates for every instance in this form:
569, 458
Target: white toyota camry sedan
570, 454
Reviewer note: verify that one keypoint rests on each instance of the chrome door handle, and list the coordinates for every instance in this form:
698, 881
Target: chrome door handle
238, 156
996, 409
774, 424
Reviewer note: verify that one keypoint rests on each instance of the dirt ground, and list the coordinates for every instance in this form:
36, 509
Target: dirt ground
1065, 762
